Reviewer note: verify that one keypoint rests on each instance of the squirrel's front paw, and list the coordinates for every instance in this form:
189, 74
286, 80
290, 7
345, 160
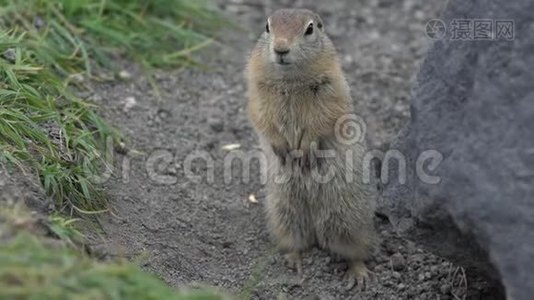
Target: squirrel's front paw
282, 153
307, 160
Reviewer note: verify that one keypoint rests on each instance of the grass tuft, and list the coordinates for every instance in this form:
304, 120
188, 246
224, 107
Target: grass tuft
45, 127
72, 33
35, 266
48, 49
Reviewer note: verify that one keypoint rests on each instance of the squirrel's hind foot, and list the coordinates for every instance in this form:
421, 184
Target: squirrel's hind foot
294, 261
358, 275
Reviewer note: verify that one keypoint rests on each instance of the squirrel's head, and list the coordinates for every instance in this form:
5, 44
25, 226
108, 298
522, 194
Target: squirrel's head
294, 37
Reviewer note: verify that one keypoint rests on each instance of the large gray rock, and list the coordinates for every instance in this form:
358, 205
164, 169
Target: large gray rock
474, 103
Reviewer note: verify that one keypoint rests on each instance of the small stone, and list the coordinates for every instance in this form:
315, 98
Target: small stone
121, 148
163, 114
396, 275
77, 77
391, 248
410, 246
397, 262
444, 269
83, 94
420, 15
418, 289
124, 75
129, 103
427, 286
95, 98
216, 124
10, 54
421, 277
172, 171
418, 258
401, 287
445, 289
428, 275
38, 22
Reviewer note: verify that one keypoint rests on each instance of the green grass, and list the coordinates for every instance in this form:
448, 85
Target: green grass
44, 127
50, 48
36, 266
73, 33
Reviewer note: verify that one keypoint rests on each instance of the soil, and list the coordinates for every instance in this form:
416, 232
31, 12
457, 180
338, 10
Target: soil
212, 232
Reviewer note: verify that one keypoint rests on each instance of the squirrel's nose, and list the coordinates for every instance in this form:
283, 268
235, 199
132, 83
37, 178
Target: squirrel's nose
281, 51
281, 46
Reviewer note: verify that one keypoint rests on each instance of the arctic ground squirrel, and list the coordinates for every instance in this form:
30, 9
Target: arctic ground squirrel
297, 95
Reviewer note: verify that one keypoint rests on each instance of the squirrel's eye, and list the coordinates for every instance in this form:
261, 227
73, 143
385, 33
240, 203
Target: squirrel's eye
309, 30
267, 28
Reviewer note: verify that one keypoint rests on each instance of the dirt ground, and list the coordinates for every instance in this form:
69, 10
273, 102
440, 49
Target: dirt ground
208, 231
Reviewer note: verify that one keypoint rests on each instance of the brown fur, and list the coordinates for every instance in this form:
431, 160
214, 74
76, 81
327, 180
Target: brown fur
295, 107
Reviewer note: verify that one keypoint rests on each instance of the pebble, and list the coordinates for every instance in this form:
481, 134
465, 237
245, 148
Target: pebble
216, 124
95, 98
398, 262
163, 114
10, 55
129, 103
83, 94
38, 22
77, 78
124, 75
418, 258
445, 289
419, 15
